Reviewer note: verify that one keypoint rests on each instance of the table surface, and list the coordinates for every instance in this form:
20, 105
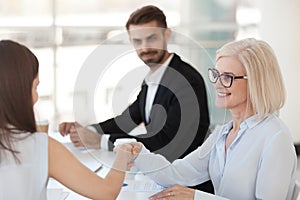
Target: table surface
138, 186
95, 158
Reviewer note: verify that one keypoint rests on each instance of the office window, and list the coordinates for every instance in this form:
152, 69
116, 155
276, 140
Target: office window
64, 33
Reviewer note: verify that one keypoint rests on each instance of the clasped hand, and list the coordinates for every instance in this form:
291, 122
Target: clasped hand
175, 192
128, 151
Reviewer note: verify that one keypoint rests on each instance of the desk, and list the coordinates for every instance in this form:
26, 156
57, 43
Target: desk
93, 159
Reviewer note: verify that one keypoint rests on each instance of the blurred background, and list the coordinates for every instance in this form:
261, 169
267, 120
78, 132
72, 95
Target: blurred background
64, 33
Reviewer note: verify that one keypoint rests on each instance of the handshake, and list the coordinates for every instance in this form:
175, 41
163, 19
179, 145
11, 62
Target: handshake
127, 149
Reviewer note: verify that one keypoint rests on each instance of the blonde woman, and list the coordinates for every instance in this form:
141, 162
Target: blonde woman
251, 157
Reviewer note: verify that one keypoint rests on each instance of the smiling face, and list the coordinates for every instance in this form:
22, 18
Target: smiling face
150, 42
236, 97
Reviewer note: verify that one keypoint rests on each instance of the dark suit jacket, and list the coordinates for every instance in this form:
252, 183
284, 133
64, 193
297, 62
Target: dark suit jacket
179, 117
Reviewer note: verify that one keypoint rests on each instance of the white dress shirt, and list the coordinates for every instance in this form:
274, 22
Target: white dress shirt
259, 164
152, 80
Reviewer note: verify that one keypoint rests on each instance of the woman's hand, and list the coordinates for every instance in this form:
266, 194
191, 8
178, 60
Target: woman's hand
136, 148
128, 151
175, 192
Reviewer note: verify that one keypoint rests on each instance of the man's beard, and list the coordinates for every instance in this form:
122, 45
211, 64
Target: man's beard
153, 62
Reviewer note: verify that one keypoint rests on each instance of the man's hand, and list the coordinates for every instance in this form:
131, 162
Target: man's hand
80, 136
174, 192
64, 128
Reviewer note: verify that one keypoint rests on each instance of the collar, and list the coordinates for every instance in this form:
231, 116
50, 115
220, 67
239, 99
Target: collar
155, 77
246, 124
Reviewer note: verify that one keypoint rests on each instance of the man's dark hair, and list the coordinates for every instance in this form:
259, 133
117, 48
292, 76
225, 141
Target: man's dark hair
147, 14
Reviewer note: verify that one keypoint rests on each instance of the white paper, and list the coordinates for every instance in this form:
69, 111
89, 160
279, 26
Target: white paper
141, 186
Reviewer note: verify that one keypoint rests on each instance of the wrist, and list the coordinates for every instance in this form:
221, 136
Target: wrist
121, 162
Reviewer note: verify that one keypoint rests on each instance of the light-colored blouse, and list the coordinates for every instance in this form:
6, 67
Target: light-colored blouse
259, 164
28, 179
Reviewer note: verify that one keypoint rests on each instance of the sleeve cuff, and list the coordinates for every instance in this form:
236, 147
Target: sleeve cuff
104, 141
199, 195
140, 159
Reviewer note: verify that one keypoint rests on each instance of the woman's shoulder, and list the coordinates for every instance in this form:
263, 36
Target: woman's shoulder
23, 139
274, 123
41, 139
272, 128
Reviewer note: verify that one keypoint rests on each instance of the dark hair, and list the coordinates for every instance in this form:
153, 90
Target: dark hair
18, 69
147, 14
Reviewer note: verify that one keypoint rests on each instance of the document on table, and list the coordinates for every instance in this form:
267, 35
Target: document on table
141, 186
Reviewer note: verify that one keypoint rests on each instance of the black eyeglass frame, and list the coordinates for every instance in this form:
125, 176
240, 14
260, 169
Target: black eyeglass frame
232, 77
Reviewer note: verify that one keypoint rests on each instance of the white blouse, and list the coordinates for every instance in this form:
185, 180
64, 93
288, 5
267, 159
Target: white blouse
26, 180
260, 163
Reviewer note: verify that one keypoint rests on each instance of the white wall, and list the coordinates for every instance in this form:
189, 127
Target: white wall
280, 27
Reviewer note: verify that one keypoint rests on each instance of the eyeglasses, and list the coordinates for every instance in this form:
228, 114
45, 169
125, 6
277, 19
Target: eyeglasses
226, 79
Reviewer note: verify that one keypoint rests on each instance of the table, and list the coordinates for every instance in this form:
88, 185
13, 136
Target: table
139, 186
95, 158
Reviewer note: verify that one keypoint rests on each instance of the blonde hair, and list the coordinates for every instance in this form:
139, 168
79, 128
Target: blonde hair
265, 84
